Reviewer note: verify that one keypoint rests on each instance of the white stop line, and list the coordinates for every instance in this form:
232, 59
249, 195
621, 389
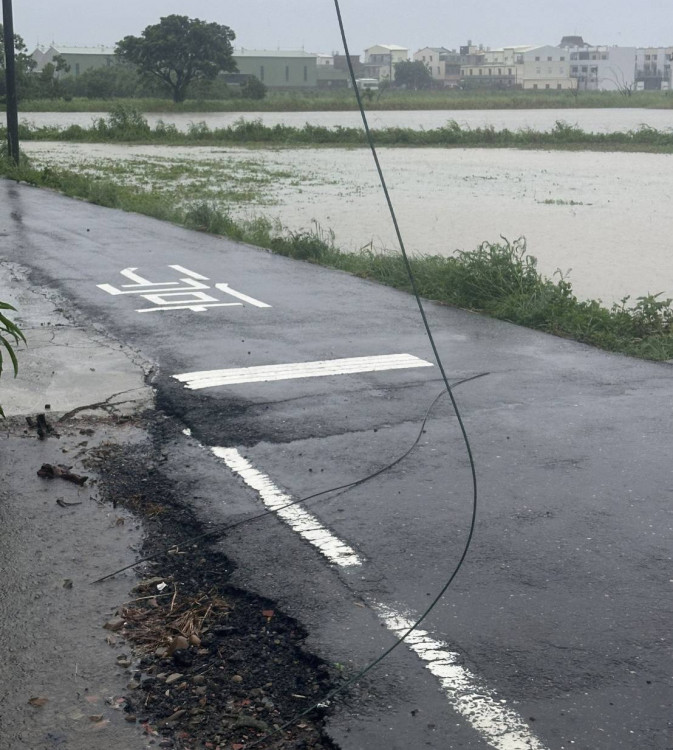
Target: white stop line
322, 368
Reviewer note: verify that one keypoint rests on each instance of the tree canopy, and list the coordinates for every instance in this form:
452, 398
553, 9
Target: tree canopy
23, 62
179, 50
413, 75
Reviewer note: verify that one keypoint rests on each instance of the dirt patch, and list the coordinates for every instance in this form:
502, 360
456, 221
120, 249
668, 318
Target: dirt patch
209, 665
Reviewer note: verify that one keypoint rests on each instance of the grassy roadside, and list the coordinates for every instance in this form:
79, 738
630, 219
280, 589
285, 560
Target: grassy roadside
306, 101
497, 279
129, 126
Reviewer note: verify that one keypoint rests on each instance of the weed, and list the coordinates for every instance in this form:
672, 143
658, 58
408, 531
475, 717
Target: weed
10, 336
127, 124
124, 123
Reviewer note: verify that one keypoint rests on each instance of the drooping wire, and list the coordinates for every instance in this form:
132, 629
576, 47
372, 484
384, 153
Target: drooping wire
468, 541
220, 529
431, 339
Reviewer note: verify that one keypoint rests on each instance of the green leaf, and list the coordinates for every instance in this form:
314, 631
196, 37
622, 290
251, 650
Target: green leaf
12, 356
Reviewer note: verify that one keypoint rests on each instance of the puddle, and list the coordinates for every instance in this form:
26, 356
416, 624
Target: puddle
60, 683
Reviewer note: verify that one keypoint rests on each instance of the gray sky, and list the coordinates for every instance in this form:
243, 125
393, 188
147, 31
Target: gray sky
311, 24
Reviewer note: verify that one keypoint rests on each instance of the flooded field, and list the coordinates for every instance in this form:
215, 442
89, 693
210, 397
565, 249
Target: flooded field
591, 120
605, 216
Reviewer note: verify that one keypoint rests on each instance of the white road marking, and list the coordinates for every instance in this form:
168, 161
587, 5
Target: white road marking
305, 524
168, 286
499, 726
322, 368
158, 292
193, 308
187, 272
239, 295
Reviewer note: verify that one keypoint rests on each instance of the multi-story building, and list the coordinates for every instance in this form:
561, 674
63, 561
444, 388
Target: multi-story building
547, 68
380, 60
494, 68
341, 63
443, 65
603, 68
654, 68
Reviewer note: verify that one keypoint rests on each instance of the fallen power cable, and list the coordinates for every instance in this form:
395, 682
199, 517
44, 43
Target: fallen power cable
221, 529
449, 390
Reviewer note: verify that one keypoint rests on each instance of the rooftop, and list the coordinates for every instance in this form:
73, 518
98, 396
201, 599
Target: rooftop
391, 47
100, 50
243, 52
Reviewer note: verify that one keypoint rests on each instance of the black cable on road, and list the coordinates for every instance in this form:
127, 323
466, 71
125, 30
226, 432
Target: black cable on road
221, 529
449, 390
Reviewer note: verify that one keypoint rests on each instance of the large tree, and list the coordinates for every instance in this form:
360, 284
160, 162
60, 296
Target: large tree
179, 50
413, 75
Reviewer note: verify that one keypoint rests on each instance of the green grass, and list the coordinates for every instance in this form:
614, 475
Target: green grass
129, 126
498, 279
311, 100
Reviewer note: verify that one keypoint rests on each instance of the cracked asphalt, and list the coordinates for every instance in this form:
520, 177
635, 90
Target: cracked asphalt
562, 612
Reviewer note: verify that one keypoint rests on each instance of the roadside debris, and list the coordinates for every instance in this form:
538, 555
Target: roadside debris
115, 624
44, 429
53, 471
208, 665
63, 504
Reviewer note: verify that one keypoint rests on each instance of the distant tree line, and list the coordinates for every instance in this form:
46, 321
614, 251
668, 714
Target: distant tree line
180, 57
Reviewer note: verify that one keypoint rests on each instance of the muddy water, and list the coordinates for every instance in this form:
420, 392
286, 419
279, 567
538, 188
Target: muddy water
594, 120
606, 218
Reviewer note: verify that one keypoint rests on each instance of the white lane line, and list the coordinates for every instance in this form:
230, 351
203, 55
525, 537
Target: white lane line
187, 272
499, 726
321, 368
306, 525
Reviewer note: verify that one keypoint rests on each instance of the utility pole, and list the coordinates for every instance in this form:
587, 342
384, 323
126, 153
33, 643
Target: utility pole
10, 81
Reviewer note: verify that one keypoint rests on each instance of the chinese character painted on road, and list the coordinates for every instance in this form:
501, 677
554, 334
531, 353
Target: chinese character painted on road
184, 294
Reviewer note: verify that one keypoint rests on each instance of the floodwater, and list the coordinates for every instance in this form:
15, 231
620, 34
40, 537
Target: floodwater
604, 217
590, 120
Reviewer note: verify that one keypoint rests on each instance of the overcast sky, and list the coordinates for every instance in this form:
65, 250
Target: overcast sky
311, 24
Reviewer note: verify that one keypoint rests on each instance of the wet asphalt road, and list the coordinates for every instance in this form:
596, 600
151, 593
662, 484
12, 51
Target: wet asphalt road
564, 605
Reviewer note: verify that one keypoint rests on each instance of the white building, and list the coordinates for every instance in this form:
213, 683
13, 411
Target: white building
654, 68
381, 58
495, 68
603, 68
443, 65
547, 68
431, 57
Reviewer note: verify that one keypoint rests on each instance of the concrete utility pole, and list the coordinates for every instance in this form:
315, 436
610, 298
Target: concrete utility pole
10, 80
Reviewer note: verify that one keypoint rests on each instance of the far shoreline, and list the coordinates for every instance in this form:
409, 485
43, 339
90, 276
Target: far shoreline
316, 101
